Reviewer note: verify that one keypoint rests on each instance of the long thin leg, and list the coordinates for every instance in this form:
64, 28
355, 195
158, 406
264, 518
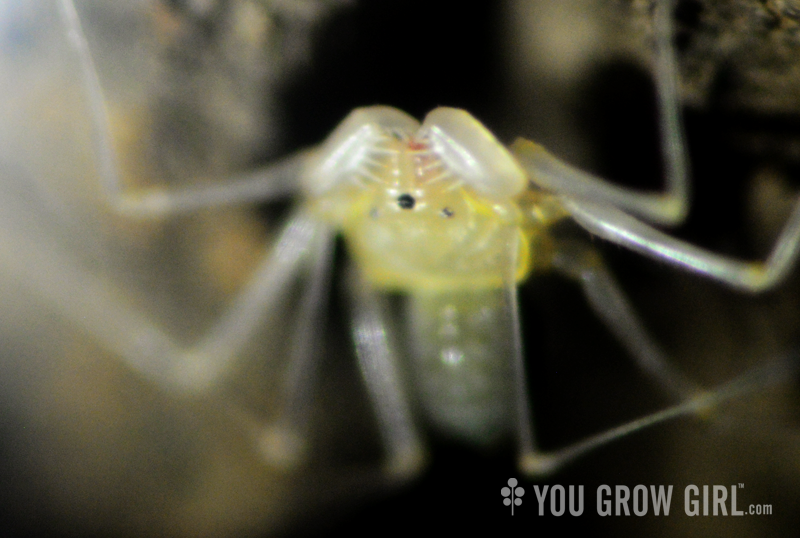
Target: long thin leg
542, 464
611, 305
581, 261
277, 180
210, 356
526, 436
669, 207
593, 203
624, 230
379, 367
95, 306
284, 441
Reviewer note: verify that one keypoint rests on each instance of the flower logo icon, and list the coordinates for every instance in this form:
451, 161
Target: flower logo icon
512, 494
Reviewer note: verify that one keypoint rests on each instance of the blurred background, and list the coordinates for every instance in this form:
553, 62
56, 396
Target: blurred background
197, 90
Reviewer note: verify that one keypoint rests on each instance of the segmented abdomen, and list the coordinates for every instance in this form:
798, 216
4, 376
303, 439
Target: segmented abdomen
461, 359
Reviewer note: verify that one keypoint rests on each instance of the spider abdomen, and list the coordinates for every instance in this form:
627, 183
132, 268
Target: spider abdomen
461, 363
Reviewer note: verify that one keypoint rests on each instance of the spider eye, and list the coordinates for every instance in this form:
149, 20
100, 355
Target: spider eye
406, 201
447, 212
472, 152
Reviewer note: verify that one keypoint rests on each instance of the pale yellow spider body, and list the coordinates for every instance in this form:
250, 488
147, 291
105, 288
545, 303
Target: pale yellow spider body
422, 217
412, 222
443, 213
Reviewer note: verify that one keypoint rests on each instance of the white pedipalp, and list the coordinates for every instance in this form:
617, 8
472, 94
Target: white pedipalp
350, 145
473, 153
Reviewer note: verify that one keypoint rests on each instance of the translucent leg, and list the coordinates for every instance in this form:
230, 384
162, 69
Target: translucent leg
299, 237
624, 230
89, 302
526, 436
581, 262
285, 440
272, 181
218, 348
610, 304
275, 181
669, 207
544, 463
379, 367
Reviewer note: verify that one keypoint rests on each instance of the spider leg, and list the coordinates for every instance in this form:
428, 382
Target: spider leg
618, 227
209, 357
583, 263
667, 208
96, 306
284, 441
774, 373
276, 180
379, 366
611, 305
525, 428
273, 181
526, 435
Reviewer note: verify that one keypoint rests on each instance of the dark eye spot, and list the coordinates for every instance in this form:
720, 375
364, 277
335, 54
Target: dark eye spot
406, 201
447, 212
